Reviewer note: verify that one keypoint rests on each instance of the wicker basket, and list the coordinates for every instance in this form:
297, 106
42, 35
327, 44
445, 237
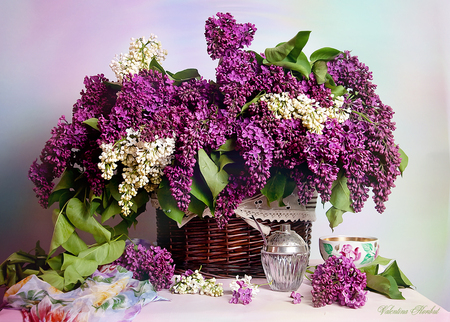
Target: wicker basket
234, 250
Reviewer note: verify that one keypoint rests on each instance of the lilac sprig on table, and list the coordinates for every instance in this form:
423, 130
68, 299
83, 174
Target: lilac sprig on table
193, 282
243, 290
338, 280
153, 263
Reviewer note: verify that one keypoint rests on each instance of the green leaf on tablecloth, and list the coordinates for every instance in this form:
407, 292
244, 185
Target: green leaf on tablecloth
384, 285
61, 233
370, 269
334, 216
394, 271
167, 201
92, 122
79, 216
215, 178
274, 188
54, 279
404, 162
381, 260
74, 244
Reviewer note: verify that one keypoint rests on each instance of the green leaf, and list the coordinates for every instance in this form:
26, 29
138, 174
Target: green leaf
74, 244
55, 263
67, 180
61, 233
381, 260
196, 206
404, 162
224, 159
325, 54
55, 196
301, 65
296, 45
93, 207
140, 199
337, 90
274, 188
383, 285
111, 210
83, 266
370, 269
394, 271
334, 216
340, 194
71, 278
154, 65
320, 70
252, 101
114, 85
185, 75
215, 178
92, 122
200, 190
105, 253
79, 216
113, 187
229, 145
258, 57
168, 202
54, 279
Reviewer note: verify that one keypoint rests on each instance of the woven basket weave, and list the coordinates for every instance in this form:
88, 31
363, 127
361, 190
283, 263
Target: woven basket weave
234, 250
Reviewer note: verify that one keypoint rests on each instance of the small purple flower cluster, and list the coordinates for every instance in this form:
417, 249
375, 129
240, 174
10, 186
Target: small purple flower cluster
296, 297
154, 264
338, 280
242, 295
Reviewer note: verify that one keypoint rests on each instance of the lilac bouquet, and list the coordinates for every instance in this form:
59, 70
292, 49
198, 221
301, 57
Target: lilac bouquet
269, 123
338, 280
154, 264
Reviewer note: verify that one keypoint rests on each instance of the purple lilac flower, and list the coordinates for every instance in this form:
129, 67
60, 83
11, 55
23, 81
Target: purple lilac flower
243, 294
338, 280
223, 35
296, 297
372, 157
71, 143
154, 264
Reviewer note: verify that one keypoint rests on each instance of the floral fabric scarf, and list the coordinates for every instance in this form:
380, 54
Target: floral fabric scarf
108, 295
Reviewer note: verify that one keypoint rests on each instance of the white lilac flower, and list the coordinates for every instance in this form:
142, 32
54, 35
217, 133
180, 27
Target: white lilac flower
302, 107
143, 164
141, 52
194, 283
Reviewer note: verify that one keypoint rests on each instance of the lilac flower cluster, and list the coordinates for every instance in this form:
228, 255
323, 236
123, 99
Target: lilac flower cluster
243, 290
154, 264
337, 280
73, 144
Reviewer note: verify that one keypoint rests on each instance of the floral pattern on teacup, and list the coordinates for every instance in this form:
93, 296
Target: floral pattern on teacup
347, 251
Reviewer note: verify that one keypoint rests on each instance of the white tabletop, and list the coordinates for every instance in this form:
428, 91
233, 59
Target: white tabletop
274, 306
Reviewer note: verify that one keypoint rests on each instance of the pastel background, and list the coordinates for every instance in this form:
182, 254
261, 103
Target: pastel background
47, 47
